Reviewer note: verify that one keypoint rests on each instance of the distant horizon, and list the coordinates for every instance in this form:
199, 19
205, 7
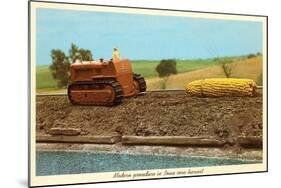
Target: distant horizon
195, 59
141, 37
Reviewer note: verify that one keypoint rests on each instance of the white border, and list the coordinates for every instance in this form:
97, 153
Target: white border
102, 177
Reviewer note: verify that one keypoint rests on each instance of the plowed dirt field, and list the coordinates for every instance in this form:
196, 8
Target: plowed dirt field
156, 114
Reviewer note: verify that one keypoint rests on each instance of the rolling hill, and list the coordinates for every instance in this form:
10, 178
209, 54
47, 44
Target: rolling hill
188, 70
247, 68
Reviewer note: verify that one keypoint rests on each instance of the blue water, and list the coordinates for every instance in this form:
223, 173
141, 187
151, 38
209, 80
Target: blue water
57, 163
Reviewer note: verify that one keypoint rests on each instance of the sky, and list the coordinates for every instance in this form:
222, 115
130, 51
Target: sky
143, 37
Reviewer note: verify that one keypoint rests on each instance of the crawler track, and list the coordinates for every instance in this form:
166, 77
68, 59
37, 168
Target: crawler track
96, 85
141, 82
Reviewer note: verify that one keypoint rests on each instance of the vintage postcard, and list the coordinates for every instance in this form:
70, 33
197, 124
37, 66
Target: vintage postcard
120, 93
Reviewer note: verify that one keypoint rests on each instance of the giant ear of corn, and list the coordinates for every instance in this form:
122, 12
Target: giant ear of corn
219, 87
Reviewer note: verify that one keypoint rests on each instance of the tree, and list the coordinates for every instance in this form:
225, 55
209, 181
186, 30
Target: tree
80, 54
74, 53
258, 54
165, 68
251, 56
227, 66
60, 67
85, 55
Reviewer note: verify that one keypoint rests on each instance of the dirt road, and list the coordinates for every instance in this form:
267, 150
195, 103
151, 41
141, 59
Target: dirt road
156, 114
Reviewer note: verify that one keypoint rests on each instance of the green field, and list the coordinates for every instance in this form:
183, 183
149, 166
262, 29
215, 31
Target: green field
44, 77
146, 68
